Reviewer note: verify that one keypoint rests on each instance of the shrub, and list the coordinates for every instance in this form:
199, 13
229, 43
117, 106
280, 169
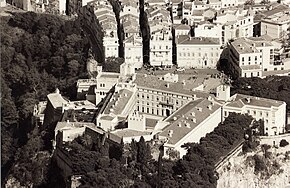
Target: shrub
283, 143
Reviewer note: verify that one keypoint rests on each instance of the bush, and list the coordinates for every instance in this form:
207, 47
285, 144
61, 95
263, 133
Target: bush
283, 143
260, 164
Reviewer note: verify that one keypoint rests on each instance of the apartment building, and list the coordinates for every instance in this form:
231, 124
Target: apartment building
254, 56
103, 11
245, 59
129, 7
197, 52
235, 23
161, 36
276, 25
181, 29
133, 48
207, 29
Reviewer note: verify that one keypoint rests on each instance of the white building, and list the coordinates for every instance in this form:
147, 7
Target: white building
207, 29
235, 23
106, 17
129, 7
276, 25
121, 104
181, 29
189, 123
161, 36
197, 52
272, 112
134, 51
254, 56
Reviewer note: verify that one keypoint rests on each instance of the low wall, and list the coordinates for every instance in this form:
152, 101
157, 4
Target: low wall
274, 140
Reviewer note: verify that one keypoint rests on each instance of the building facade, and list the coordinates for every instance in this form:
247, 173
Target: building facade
197, 52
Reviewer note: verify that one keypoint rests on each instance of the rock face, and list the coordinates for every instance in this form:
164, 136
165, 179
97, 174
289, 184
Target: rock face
92, 67
258, 169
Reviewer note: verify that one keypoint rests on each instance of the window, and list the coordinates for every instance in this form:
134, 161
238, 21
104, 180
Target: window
249, 58
243, 59
256, 58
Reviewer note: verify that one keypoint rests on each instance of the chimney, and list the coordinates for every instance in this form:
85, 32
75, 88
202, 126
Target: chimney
199, 109
179, 124
248, 99
170, 133
210, 107
187, 125
174, 118
167, 85
183, 82
193, 120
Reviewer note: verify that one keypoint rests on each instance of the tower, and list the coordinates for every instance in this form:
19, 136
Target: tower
223, 92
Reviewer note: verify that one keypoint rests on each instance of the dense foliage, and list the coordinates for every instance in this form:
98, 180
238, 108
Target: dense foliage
273, 87
39, 53
132, 164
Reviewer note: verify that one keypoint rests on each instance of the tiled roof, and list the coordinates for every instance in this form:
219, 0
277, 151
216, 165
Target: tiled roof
153, 82
185, 39
118, 102
239, 99
182, 27
187, 118
248, 45
132, 39
243, 47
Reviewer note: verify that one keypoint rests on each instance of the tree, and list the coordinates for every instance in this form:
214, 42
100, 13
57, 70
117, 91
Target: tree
144, 153
283, 143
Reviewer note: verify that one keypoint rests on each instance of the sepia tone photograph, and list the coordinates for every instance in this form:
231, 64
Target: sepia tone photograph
145, 93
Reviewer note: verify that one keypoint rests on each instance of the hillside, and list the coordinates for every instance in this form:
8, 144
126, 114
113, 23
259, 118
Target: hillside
257, 169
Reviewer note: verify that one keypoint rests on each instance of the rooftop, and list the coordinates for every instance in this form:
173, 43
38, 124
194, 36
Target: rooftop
181, 27
239, 100
188, 118
56, 100
153, 82
185, 39
109, 75
79, 115
243, 46
118, 102
129, 133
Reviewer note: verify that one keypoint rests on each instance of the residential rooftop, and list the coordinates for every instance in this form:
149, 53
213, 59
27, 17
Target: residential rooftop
181, 27
249, 45
186, 39
239, 100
